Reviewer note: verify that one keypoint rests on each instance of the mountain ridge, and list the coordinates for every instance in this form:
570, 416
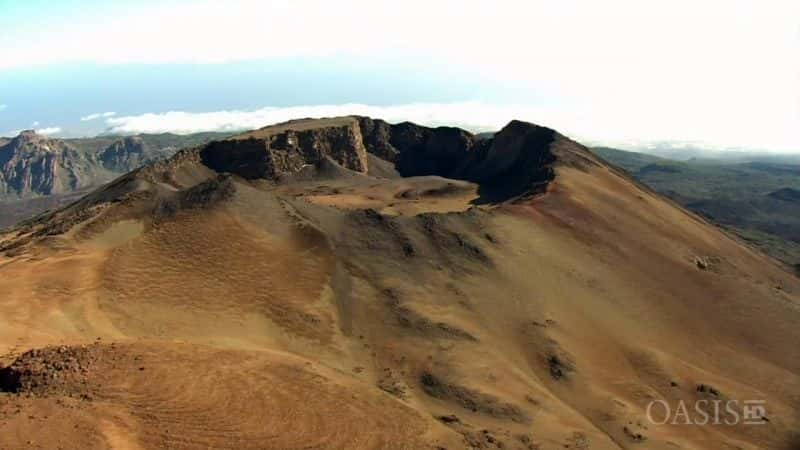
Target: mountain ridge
36, 165
38, 172
749, 199
289, 293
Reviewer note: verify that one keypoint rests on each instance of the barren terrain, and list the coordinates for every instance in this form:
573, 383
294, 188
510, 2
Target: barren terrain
350, 284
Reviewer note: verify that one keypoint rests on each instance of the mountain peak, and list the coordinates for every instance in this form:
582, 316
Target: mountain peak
28, 136
29, 142
517, 161
445, 257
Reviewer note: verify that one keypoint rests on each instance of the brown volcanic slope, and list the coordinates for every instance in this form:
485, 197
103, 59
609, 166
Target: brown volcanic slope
346, 283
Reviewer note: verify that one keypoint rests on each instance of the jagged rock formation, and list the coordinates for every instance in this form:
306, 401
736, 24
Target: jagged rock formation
127, 154
286, 149
516, 161
31, 165
38, 172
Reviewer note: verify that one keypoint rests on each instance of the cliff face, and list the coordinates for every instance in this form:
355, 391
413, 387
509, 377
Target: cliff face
284, 150
516, 161
127, 154
39, 173
33, 165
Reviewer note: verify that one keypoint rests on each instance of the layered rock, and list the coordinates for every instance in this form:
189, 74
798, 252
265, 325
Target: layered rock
516, 161
125, 154
275, 152
31, 165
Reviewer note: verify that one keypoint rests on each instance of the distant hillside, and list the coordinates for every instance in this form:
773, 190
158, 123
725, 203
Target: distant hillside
786, 194
686, 152
757, 200
630, 161
38, 172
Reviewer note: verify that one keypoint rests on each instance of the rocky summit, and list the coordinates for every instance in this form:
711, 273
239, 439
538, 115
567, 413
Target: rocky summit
31, 164
352, 283
517, 161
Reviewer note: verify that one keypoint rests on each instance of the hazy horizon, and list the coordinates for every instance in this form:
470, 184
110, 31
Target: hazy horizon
716, 74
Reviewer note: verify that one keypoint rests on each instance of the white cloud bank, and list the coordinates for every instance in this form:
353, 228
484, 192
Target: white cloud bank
43, 131
48, 131
511, 31
587, 123
720, 71
96, 116
474, 116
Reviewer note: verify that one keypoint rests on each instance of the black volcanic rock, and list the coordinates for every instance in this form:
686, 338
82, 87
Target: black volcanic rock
430, 151
376, 135
417, 150
248, 158
286, 149
516, 161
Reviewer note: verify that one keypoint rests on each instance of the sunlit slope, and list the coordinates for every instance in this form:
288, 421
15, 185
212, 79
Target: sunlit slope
336, 309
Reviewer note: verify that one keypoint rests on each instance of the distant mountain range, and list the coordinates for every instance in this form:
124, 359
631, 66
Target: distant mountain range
682, 151
38, 172
758, 200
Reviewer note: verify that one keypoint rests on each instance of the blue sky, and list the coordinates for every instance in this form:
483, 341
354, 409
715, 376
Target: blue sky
60, 94
724, 73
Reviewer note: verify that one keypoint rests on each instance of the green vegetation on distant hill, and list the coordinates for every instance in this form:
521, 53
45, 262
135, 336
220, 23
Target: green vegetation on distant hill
757, 200
630, 161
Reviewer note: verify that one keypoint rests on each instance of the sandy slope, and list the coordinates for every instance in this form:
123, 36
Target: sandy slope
393, 313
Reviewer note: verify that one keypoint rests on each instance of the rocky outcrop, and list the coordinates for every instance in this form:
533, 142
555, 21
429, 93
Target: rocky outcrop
125, 154
32, 165
283, 151
417, 150
516, 161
